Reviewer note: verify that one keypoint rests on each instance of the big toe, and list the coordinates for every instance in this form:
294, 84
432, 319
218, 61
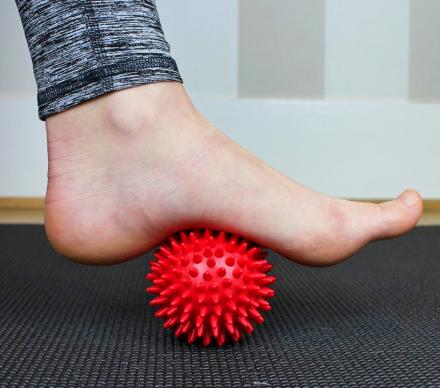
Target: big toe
400, 215
354, 224
391, 218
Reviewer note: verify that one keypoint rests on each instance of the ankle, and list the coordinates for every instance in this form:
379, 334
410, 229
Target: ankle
123, 112
146, 107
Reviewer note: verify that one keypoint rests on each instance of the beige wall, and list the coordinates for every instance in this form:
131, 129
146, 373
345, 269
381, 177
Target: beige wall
425, 50
281, 48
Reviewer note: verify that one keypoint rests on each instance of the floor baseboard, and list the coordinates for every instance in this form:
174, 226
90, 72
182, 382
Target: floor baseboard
37, 203
21, 203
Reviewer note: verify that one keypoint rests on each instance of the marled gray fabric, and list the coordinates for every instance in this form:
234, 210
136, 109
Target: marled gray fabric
84, 48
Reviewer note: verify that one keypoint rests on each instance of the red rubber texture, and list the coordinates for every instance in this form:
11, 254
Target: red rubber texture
210, 285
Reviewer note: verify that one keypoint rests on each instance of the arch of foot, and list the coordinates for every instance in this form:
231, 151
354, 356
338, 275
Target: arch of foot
210, 285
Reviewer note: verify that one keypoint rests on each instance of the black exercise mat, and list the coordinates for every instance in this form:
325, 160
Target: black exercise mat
372, 321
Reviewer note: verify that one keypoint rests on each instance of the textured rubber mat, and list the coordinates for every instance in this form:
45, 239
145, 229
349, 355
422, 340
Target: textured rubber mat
372, 321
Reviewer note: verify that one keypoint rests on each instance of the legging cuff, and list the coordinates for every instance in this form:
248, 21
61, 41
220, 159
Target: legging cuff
105, 79
82, 49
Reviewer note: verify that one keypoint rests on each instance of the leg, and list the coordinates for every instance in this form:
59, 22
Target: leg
132, 166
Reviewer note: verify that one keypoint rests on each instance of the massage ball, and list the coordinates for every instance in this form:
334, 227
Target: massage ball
210, 285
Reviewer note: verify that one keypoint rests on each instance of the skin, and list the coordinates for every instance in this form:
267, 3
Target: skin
131, 167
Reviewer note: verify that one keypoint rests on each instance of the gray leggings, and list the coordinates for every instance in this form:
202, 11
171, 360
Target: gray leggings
81, 49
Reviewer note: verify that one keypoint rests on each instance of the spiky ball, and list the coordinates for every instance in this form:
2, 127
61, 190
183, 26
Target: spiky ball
210, 285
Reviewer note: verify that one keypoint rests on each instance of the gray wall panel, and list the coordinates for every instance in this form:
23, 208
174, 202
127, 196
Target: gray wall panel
281, 48
424, 74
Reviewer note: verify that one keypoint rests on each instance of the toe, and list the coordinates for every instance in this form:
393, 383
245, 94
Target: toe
354, 224
393, 218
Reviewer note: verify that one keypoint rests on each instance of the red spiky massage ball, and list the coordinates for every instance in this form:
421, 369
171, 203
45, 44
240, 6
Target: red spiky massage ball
210, 285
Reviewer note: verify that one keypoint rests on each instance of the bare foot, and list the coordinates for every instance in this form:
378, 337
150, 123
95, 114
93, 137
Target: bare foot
131, 167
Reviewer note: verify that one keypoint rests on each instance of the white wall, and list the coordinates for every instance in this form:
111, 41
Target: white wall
363, 140
15, 63
203, 37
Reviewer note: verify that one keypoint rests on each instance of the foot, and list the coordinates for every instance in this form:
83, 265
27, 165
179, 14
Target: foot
131, 167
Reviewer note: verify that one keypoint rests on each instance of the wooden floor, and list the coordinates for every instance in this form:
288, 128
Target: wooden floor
35, 216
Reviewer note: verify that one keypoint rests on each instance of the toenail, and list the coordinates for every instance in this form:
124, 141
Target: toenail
410, 198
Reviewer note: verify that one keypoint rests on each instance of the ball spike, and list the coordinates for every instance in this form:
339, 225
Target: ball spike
242, 248
164, 250
221, 272
267, 280
156, 269
231, 305
183, 237
177, 301
231, 247
242, 311
217, 310
161, 312
153, 289
192, 336
230, 328
175, 247
187, 294
170, 322
185, 318
226, 282
158, 301
193, 272
200, 330
228, 294
197, 259
199, 321
188, 307
237, 272
221, 237
210, 262
172, 310
160, 282
207, 234
221, 338
207, 338
255, 315
267, 292
204, 311
244, 298
186, 326
241, 261
228, 318
219, 252
179, 331
193, 238
177, 272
